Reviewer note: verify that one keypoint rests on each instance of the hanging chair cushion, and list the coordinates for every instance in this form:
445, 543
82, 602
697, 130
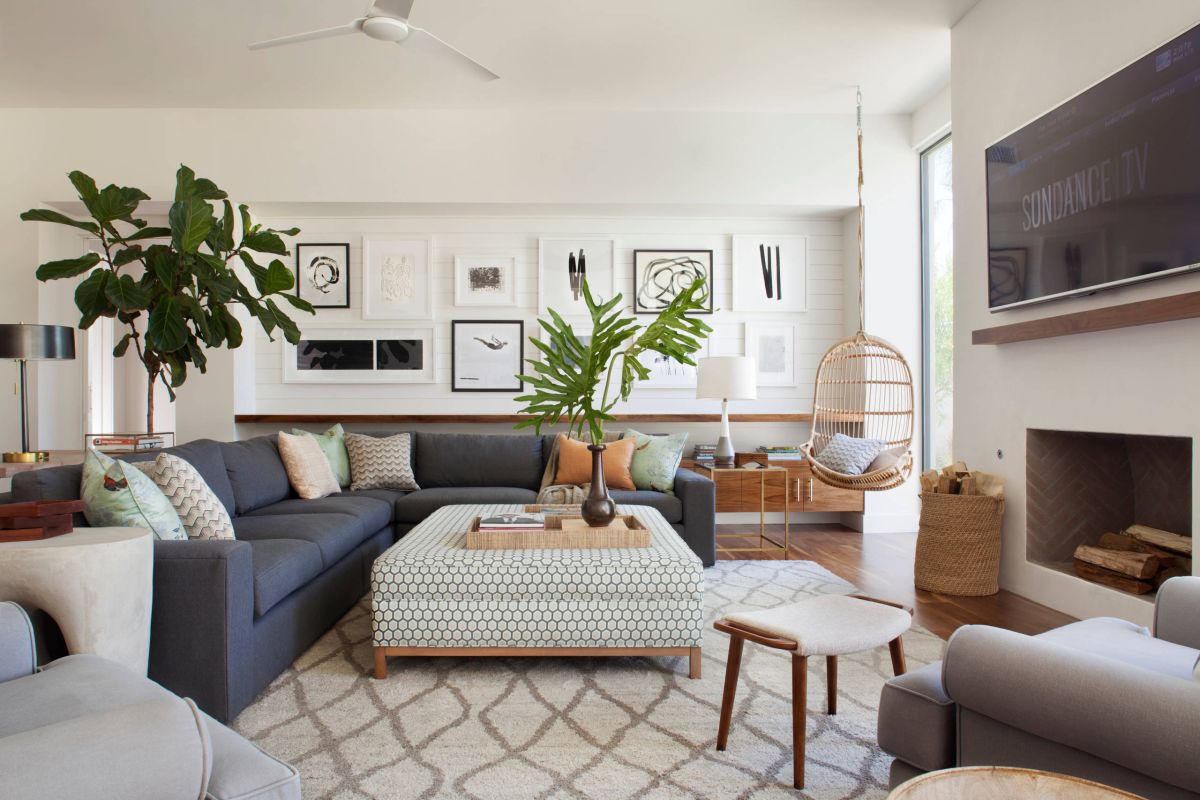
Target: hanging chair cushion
888, 458
849, 455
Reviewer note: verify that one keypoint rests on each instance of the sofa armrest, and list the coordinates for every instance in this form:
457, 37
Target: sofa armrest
18, 650
1177, 612
202, 621
1142, 720
699, 498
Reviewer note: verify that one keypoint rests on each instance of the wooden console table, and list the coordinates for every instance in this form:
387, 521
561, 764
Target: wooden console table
796, 487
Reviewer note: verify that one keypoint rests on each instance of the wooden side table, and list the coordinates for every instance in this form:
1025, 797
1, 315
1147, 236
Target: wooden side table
1003, 783
94, 582
739, 488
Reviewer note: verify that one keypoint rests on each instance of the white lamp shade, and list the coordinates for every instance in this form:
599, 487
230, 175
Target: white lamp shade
727, 378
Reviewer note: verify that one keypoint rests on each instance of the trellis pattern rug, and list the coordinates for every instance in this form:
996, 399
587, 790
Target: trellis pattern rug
558, 728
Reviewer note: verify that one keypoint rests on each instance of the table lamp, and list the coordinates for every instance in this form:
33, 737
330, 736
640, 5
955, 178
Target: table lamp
726, 378
23, 343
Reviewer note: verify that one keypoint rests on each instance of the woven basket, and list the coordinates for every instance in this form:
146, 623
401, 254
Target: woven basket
958, 544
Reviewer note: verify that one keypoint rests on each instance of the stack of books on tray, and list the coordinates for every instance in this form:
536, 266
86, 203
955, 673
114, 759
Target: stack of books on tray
704, 453
783, 452
128, 442
513, 523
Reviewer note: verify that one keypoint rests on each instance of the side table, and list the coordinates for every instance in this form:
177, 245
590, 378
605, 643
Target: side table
94, 582
751, 489
1003, 783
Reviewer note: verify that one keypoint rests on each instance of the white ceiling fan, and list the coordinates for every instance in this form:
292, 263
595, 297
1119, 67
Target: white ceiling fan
386, 21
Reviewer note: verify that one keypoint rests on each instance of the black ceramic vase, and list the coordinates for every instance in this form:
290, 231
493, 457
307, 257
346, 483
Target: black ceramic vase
598, 509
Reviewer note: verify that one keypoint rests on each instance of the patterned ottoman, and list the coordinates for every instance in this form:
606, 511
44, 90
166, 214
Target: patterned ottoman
433, 597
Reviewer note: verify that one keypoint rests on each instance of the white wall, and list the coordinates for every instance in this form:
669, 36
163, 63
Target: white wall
1138, 380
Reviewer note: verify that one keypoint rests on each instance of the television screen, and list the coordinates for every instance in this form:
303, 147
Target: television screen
1103, 190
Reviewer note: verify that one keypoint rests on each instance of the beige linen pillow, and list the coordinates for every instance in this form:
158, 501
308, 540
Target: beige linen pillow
308, 469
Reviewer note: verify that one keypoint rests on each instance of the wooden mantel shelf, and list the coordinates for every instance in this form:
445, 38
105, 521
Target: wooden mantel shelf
1127, 315
481, 419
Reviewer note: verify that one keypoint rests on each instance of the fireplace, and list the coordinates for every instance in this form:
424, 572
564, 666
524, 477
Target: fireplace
1114, 494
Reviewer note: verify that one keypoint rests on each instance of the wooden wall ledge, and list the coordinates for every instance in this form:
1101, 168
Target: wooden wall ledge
483, 419
1127, 315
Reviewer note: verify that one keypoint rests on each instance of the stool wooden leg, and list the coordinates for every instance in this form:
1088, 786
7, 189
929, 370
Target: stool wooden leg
380, 663
831, 684
799, 717
732, 668
694, 664
897, 647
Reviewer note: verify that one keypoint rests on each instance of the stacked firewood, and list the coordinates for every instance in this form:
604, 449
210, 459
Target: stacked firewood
957, 479
1136, 560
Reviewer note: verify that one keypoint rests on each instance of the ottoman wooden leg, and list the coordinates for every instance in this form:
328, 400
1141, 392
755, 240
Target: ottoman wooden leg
831, 684
732, 668
380, 663
694, 664
896, 646
799, 717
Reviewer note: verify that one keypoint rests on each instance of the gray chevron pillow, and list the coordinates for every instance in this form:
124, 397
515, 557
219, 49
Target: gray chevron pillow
201, 512
849, 455
380, 462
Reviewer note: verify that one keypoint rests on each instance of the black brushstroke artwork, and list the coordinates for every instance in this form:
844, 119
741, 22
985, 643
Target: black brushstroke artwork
334, 354
665, 277
576, 273
400, 354
323, 274
771, 271
485, 279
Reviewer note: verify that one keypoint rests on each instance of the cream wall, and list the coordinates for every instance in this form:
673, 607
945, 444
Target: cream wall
1008, 71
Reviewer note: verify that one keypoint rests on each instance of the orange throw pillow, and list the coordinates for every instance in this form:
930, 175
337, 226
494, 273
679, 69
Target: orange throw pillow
575, 463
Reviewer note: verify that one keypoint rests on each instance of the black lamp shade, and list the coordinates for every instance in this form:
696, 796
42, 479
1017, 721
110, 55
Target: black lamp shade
37, 342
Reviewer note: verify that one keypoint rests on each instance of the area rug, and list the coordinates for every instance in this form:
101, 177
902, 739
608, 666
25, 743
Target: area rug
552, 729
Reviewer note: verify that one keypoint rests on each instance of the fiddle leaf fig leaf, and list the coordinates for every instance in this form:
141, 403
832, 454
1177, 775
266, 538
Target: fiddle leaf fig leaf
125, 293
167, 329
191, 219
46, 215
68, 267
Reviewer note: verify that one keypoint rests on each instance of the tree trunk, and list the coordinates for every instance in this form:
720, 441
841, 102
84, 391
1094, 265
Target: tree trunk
152, 375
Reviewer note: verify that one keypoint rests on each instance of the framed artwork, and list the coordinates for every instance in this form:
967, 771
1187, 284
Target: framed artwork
361, 355
323, 274
397, 283
560, 274
660, 275
485, 280
667, 373
770, 273
584, 338
486, 355
773, 347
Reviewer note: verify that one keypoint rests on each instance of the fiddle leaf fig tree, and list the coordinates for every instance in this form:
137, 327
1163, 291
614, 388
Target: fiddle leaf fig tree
174, 287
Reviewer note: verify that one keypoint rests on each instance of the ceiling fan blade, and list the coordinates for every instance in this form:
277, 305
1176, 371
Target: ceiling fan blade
324, 33
400, 9
482, 71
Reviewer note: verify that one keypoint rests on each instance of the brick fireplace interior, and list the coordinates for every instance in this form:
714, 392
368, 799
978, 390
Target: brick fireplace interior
1080, 486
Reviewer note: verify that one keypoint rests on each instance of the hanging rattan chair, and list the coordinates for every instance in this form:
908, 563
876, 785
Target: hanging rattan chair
864, 389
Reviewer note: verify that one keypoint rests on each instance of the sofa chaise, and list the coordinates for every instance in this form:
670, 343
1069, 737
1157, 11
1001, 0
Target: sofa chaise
231, 615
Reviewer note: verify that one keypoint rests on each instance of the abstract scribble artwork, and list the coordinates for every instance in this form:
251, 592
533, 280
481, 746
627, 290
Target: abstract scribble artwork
660, 275
396, 278
773, 347
770, 273
360, 355
485, 281
486, 355
323, 274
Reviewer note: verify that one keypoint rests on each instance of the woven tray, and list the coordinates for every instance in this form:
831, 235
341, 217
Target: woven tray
562, 533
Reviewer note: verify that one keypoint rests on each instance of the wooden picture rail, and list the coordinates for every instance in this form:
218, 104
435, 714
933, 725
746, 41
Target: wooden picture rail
1127, 315
483, 419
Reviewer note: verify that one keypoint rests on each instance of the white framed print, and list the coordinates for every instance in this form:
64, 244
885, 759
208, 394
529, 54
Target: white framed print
770, 273
397, 283
563, 264
360, 355
773, 347
487, 355
667, 373
485, 281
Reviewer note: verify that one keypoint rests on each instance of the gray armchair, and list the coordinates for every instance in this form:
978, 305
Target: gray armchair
1103, 699
86, 727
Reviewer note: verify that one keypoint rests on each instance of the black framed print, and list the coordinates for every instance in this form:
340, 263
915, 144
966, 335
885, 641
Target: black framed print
659, 276
323, 274
486, 355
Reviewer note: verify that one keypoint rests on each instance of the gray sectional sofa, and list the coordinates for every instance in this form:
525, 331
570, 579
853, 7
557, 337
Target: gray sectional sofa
231, 615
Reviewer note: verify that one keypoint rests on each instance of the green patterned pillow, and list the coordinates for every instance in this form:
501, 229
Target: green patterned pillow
333, 445
117, 494
655, 460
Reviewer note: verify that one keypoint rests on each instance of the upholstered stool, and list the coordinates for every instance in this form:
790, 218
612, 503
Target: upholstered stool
828, 625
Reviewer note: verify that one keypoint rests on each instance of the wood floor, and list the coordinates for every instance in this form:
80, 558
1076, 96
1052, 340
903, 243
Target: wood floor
881, 565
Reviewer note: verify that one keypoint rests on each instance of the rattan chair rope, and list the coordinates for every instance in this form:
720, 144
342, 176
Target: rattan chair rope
864, 389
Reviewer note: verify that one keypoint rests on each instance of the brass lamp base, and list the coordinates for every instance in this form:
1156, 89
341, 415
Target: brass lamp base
27, 458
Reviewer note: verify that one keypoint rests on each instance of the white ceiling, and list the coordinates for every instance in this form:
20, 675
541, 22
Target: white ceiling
735, 55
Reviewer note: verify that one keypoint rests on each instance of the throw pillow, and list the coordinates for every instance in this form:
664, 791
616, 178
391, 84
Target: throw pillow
381, 462
551, 470
849, 455
575, 463
888, 458
200, 510
333, 443
308, 470
655, 460
115, 494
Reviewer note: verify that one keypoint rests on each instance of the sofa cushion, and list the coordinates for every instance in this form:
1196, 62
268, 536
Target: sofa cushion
281, 566
256, 473
374, 512
335, 534
917, 719
670, 506
417, 506
1124, 641
451, 460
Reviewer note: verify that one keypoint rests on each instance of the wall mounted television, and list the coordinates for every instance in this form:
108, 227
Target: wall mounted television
1102, 191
